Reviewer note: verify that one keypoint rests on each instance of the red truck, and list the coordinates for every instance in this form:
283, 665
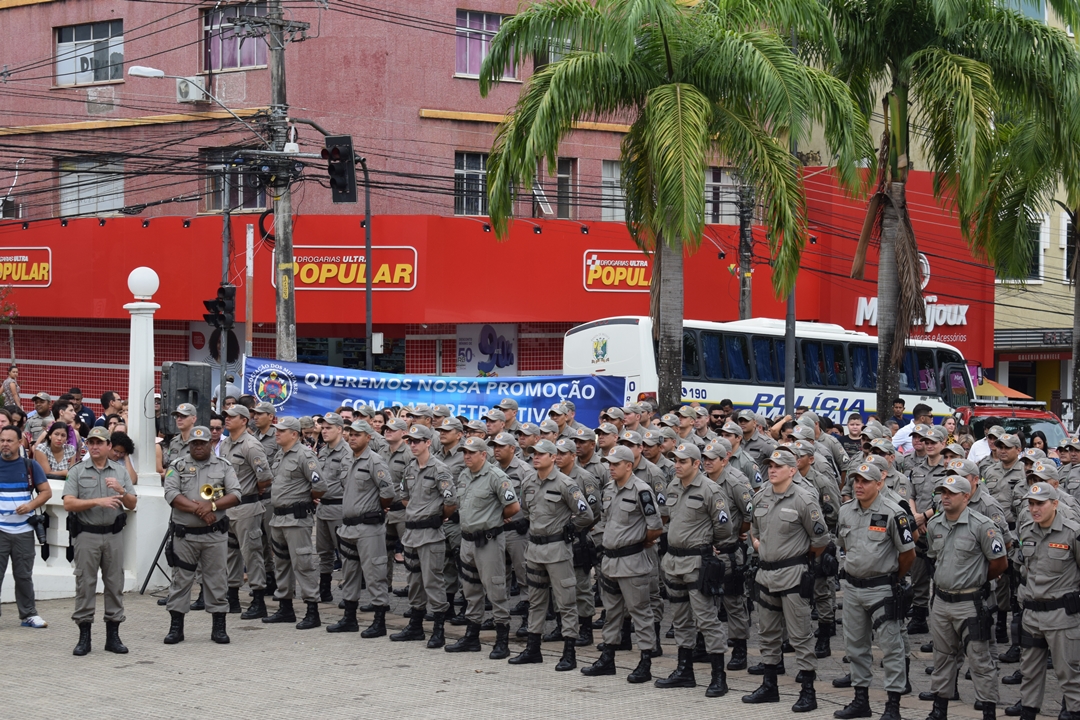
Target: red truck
1017, 416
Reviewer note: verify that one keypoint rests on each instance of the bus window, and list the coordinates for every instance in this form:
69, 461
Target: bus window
690, 355
825, 364
835, 365
918, 374
765, 361
781, 363
947, 356
736, 357
711, 356
864, 366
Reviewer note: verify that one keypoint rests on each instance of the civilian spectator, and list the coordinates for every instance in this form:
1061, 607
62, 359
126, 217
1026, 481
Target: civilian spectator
63, 411
19, 479
110, 421
86, 415
898, 406
217, 430
10, 388
852, 442
949, 424
377, 422
920, 414
121, 450
55, 453
111, 404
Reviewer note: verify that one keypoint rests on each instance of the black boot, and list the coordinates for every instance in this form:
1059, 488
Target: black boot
83, 646
326, 594
941, 709
457, 616
501, 651
605, 664
1017, 709
892, 707
378, 624
556, 634
1064, 713
907, 677
857, 708
738, 655
414, 630
822, 648
469, 642
176, 628
200, 603
627, 642
112, 638
643, 671
1029, 713
438, 632
585, 632
989, 711
531, 653
659, 651
311, 619
807, 695
683, 676
762, 668
522, 608
842, 682
522, 631
1012, 655
257, 608
768, 692
217, 631
284, 613
271, 584
234, 600
598, 623
568, 661
1015, 679
917, 625
701, 655
718, 681
348, 621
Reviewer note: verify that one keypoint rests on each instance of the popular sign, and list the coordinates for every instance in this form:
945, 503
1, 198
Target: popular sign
617, 271
328, 267
26, 266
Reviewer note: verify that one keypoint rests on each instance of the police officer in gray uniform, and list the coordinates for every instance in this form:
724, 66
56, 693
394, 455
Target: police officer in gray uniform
487, 503
788, 532
368, 491
398, 457
756, 443
925, 476
449, 432
658, 482
740, 459
505, 447
584, 547
557, 511
968, 554
262, 415
332, 456
184, 416
632, 524
198, 532
698, 517
97, 491
430, 497
298, 482
879, 546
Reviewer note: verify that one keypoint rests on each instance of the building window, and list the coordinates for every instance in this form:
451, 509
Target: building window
474, 33
90, 53
612, 202
224, 47
1070, 253
231, 185
90, 187
1035, 269
470, 183
721, 196
565, 175
1028, 8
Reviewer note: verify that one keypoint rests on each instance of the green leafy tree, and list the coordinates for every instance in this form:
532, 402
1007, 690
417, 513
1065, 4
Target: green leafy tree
695, 81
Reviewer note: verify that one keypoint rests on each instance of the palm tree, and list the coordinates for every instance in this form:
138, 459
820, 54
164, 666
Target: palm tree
952, 66
695, 81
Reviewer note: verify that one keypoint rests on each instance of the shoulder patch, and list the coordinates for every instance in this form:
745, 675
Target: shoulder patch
311, 464
815, 515
646, 499
819, 528
996, 546
660, 499
990, 532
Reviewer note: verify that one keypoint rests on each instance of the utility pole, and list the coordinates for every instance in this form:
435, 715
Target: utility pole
223, 344
249, 290
746, 250
283, 246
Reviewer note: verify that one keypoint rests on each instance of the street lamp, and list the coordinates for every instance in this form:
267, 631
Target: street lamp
142, 71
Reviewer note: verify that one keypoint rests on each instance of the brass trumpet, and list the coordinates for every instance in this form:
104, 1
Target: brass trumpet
209, 492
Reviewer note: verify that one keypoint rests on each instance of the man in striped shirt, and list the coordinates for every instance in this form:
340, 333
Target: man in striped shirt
19, 478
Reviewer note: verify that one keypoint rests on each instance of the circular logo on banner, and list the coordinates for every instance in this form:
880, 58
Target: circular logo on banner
273, 384
924, 270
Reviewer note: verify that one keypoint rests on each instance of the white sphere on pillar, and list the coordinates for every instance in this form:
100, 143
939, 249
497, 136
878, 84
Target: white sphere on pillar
143, 282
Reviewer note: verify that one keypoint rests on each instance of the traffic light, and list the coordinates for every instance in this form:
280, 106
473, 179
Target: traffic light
338, 154
221, 315
226, 300
213, 313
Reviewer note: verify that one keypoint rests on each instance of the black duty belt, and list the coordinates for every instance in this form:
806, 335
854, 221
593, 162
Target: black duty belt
397, 505
1045, 605
489, 534
265, 495
434, 521
375, 517
545, 539
780, 564
331, 501
701, 550
960, 597
220, 526
624, 551
304, 507
875, 581
726, 550
99, 529
250, 499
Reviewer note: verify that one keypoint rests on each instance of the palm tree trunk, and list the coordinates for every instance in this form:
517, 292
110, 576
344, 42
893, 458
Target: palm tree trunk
888, 386
1074, 240
667, 311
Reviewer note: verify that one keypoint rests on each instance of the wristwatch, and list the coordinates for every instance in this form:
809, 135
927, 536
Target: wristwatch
213, 505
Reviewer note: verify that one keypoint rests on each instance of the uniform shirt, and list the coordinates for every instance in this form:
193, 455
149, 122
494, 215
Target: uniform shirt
249, 462
186, 476
898, 483
708, 436
519, 474
454, 461
629, 511
1002, 483
746, 465
86, 482
985, 503
656, 480
597, 469
398, 461
590, 489
380, 446
740, 499
698, 515
692, 437
365, 479
924, 478
758, 446
873, 538
483, 497
963, 550
331, 460
786, 525
1070, 480
834, 451
268, 440
827, 493
1051, 558
906, 463
296, 475
666, 466
556, 502
427, 489
177, 447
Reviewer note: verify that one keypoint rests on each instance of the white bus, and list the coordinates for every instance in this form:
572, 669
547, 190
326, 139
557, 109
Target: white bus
835, 369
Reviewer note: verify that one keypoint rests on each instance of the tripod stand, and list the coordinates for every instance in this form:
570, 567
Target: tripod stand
156, 565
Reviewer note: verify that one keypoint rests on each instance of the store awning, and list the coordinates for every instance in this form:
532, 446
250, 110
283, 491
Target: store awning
989, 388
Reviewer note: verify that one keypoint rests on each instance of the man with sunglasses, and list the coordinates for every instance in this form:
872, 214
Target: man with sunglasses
717, 417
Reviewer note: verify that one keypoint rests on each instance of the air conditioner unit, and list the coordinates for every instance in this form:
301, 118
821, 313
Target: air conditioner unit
191, 90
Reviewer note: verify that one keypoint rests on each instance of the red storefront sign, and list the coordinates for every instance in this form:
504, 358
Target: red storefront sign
29, 267
344, 267
617, 271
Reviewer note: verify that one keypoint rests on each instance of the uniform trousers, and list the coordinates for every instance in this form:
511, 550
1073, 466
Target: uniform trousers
785, 612
864, 618
105, 553
825, 599
20, 548
326, 538
209, 552
586, 601
515, 554
693, 612
427, 587
950, 631
395, 530
483, 570
246, 551
656, 602
362, 557
628, 596
1058, 633
294, 558
920, 582
453, 554
268, 551
559, 578
738, 617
